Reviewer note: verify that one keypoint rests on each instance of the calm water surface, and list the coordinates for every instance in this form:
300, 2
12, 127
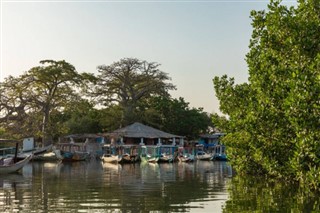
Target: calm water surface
95, 187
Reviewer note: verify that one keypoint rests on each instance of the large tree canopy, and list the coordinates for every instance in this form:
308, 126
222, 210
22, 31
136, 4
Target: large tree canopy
14, 105
274, 119
30, 99
129, 81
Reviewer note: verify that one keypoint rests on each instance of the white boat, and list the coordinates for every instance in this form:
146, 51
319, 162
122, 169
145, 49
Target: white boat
150, 154
7, 165
168, 153
201, 155
48, 156
35, 152
164, 158
184, 154
109, 154
108, 158
186, 158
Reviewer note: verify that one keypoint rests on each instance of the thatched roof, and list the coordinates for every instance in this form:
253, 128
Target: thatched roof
138, 130
81, 136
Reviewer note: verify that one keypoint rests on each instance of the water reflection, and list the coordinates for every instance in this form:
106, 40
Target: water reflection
254, 194
97, 187
178, 187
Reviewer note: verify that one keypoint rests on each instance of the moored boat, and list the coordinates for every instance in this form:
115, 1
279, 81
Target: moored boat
109, 154
202, 155
168, 153
71, 152
165, 158
150, 154
187, 158
128, 154
108, 158
10, 165
35, 152
48, 156
184, 154
219, 153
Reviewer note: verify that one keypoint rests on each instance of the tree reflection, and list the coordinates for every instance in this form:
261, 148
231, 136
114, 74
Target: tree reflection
254, 194
178, 187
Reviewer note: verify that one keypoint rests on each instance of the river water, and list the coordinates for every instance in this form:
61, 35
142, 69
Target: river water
96, 187
178, 187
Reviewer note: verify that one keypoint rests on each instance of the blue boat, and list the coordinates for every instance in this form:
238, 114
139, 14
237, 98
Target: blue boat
220, 153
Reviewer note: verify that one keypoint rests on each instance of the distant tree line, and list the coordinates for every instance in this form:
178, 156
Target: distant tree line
273, 120
54, 99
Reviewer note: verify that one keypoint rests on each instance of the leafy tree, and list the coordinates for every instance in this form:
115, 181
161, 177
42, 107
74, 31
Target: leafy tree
274, 119
30, 99
14, 108
81, 117
175, 116
220, 123
129, 81
52, 85
110, 118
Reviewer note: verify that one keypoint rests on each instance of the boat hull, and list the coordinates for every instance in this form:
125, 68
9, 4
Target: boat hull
10, 168
110, 158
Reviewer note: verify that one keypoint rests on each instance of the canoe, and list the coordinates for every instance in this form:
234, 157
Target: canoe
7, 165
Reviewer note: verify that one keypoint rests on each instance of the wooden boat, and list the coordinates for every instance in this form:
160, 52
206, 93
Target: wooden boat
201, 155
48, 156
164, 158
109, 158
167, 153
8, 165
184, 154
128, 154
35, 152
150, 154
220, 153
109, 154
71, 152
187, 158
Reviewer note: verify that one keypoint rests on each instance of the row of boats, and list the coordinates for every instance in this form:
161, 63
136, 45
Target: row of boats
69, 152
159, 154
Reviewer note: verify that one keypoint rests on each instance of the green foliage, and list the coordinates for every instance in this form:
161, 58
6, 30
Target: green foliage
175, 116
52, 99
128, 82
220, 123
274, 120
110, 118
81, 117
29, 101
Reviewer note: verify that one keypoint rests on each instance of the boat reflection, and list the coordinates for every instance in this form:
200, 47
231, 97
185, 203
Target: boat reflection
139, 187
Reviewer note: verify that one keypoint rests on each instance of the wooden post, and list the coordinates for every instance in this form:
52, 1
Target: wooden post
16, 153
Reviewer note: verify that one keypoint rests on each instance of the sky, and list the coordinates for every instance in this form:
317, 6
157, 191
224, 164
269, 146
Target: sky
194, 41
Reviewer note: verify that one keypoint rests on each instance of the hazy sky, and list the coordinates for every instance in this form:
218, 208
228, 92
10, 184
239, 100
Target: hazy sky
192, 40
